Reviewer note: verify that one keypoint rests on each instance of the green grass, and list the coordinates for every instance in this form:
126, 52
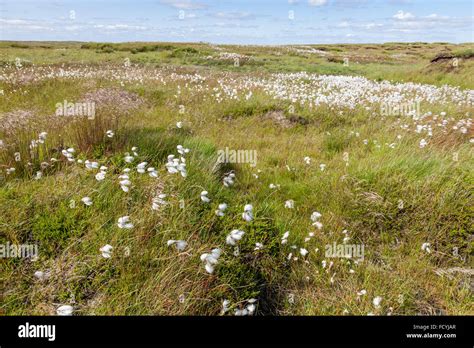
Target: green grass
145, 276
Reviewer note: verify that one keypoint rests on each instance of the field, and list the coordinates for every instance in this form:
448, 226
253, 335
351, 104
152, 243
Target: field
301, 148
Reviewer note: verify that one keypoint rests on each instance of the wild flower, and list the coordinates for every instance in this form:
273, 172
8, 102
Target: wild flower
42, 137
234, 236
249, 309
175, 165
87, 201
158, 201
180, 244
361, 293
247, 215
211, 259
315, 216
91, 165
128, 158
204, 197
10, 170
42, 275
124, 222
124, 182
100, 175
65, 310
258, 246
152, 172
229, 180
376, 301
141, 167
290, 204
426, 247
106, 251
284, 238
423, 143
322, 167
182, 150
179, 124
109, 133
303, 252
307, 160
273, 186
220, 209
225, 306
69, 154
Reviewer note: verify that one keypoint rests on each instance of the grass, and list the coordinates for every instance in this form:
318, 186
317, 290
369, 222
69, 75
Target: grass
392, 200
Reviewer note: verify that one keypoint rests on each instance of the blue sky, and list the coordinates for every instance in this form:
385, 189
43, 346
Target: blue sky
238, 21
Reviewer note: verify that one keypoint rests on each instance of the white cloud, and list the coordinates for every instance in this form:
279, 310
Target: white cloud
119, 27
234, 15
317, 2
21, 24
184, 4
403, 15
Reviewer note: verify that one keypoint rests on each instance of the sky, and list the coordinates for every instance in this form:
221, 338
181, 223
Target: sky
263, 22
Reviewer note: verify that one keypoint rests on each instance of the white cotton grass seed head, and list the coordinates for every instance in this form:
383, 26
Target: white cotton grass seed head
234, 236
290, 204
124, 222
376, 301
158, 201
40, 275
225, 306
65, 310
141, 167
152, 172
220, 209
247, 215
204, 197
87, 201
426, 247
229, 179
100, 175
106, 251
210, 259
284, 238
91, 165
315, 216
182, 150
180, 244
